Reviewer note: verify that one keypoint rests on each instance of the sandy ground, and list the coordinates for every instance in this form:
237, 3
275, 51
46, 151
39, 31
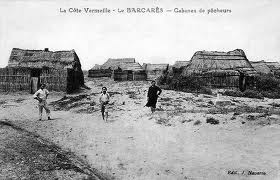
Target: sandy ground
25, 155
173, 143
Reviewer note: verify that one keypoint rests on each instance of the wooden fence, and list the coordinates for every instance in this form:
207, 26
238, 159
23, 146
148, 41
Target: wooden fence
140, 76
56, 80
14, 79
128, 75
221, 81
19, 79
97, 73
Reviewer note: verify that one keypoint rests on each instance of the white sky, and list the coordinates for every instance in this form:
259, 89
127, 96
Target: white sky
153, 38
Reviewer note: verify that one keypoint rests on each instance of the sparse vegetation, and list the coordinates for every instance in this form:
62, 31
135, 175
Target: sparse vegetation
132, 94
212, 120
197, 122
189, 120
267, 83
19, 100
162, 121
271, 94
253, 94
275, 105
234, 93
184, 83
205, 90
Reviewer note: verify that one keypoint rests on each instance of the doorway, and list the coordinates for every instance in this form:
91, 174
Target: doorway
34, 80
129, 75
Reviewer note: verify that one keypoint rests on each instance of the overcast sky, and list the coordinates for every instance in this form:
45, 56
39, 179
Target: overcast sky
153, 38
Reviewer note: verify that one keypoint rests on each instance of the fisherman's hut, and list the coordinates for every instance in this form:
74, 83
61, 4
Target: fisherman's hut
27, 69
222, 69
122, 69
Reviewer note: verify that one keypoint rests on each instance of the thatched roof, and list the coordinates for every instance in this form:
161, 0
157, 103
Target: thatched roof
153, 67
42, 58
131, 66
179, 64
203, 61
123, 63
273, 65
115, 63
261, 67
96, 66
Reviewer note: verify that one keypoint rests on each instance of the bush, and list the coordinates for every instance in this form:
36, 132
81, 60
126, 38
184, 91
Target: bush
267, 83
212, 120
252, 94
161, 80
271, 95
234, 93
186, 83
197, 122
205, 90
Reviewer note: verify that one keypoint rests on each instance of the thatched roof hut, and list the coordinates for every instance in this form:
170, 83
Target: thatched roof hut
119, 69
203, 61
60, 70
261, 67
122, 63
154, 71
222, 69
43, 58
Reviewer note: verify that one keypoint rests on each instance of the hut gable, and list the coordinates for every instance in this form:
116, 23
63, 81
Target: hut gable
203, 61
179, 64
117, 63
95, 67
43, 58
274, 68
261, 67
273, 65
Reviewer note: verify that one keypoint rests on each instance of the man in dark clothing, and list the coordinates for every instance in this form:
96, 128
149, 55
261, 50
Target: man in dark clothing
153, 93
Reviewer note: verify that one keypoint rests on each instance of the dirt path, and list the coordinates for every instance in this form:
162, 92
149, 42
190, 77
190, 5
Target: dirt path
174, 143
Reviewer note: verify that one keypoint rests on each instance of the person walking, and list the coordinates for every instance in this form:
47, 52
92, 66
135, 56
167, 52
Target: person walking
153, 93
41, 96
104, 101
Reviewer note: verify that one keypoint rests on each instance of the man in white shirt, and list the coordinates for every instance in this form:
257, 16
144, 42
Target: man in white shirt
41, 95
104, 100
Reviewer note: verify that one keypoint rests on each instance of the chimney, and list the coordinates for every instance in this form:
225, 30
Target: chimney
46, 49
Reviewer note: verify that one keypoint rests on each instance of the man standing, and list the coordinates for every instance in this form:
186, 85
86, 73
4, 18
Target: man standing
104, 101
153, 93
41, 95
